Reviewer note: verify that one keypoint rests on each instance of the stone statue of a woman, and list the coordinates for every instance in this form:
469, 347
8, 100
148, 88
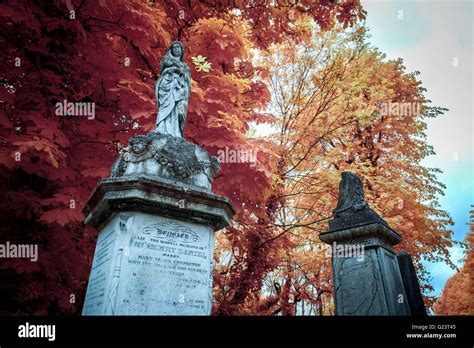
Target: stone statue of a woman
172, 91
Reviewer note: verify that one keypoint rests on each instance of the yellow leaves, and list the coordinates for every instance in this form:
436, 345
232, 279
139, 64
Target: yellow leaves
198, 60
242, 85
305, 25
201, 63
277, 181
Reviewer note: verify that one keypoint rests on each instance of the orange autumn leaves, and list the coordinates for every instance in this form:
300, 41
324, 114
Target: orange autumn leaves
457, 297
328, 96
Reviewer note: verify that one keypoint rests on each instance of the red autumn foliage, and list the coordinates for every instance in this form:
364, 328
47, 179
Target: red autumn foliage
107, 53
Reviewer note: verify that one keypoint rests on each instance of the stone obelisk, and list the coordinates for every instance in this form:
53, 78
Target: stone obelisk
368, 282
156, 215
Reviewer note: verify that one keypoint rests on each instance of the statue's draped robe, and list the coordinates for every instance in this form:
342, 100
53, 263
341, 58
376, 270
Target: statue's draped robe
172, 93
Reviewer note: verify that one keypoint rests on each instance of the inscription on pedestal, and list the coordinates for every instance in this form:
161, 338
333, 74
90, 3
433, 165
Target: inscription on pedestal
166, 268
358, 284
98, 281
147, 265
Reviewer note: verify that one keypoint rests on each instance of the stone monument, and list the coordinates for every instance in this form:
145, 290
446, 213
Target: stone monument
371, 283
412, 287
156, 215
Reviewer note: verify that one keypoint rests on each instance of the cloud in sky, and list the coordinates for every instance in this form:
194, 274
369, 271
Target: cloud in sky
436, 38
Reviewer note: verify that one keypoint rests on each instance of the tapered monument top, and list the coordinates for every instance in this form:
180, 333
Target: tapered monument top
351, 193
351, 209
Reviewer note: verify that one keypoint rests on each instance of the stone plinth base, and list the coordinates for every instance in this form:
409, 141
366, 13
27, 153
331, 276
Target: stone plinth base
367, 281
155, 247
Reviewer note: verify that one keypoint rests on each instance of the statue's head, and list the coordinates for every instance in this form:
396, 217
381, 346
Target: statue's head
177, 50
139, 144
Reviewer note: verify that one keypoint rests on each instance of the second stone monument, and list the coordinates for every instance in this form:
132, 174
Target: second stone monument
371, 283
156, 215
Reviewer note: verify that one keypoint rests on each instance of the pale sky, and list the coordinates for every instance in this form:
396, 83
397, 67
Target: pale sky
436, 38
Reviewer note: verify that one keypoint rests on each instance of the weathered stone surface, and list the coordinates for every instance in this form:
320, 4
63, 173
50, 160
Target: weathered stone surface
357, 284
351, 193
410, 282
371, 284
155, 246
395, 293
169, 157
150, 265
156, 196
351, 209
369, 234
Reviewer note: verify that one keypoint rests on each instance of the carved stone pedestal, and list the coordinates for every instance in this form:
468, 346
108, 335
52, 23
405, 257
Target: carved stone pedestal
368, 283
156, 231
366, 275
